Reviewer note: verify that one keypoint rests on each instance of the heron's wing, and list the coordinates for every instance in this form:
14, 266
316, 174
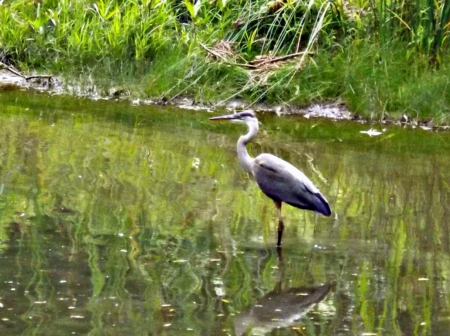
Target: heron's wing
283, 182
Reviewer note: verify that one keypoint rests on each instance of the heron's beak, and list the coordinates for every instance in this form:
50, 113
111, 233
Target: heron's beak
225, 117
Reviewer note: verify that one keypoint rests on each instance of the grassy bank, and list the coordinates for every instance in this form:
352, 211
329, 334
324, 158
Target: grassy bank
383, 59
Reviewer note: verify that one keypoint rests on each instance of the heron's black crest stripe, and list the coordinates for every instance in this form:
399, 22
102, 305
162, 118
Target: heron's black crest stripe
246, 114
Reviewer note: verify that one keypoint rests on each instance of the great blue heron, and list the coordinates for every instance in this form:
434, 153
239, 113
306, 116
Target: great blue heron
278, 179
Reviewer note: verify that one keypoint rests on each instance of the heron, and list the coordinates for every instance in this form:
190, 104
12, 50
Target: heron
279, 180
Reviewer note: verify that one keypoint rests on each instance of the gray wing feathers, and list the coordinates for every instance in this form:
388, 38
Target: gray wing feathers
283, 182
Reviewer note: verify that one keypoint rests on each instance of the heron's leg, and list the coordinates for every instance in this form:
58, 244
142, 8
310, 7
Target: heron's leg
280, 223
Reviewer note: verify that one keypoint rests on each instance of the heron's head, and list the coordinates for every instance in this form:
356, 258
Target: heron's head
245, 117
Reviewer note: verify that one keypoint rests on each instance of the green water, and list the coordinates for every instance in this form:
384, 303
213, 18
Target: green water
138, 220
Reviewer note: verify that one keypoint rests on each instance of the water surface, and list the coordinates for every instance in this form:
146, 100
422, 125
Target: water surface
138, 220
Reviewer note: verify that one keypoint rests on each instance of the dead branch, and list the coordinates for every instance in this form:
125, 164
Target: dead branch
285, 57
10, 69
39, 76
17, 73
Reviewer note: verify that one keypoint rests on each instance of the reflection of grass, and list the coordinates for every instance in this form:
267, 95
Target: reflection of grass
93, 180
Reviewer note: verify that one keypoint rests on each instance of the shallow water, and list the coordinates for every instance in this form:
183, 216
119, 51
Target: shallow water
138, 220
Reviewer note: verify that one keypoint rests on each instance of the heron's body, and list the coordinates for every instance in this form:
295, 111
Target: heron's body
274, 174
278, 179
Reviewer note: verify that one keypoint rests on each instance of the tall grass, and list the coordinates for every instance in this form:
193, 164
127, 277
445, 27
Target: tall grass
372, 54
422, 24
82, 33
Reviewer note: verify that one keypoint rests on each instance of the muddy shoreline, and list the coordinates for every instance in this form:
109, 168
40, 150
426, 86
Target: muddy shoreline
334, 111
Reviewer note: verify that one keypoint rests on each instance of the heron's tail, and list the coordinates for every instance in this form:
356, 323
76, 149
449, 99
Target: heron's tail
322, 205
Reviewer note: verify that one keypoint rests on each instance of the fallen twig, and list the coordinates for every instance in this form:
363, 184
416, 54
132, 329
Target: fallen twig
285, 57
39, 76
17, 73
10, 69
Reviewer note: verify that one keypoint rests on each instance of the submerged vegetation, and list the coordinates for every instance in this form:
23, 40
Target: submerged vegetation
382, 58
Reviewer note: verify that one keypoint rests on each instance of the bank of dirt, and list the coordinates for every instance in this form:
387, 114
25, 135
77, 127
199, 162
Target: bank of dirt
53, 85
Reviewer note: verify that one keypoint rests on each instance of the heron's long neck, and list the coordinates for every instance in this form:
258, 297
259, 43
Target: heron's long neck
245, 159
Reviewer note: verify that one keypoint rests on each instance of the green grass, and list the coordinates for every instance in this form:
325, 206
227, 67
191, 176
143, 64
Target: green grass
381, 58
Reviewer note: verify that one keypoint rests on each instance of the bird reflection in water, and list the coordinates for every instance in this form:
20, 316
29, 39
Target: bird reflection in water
280, 308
